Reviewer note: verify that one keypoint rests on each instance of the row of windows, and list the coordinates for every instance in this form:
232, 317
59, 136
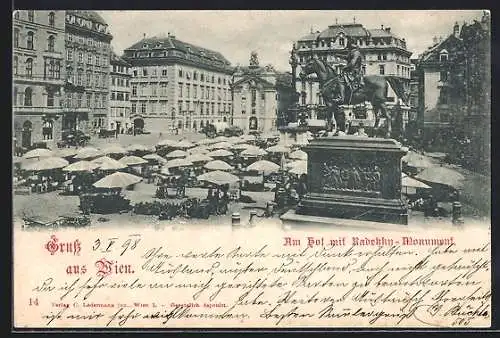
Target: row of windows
154, 107
78, 100
30, 36
208, 93
144, 72
98, 79
87, 41
51, 17
52, 68
122, 69
91, 58
195, 76
25, 98
119, 96
119, 111
117, 81
142, 89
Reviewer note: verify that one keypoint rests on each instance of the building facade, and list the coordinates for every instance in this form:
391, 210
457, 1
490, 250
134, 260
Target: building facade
384, 54
177, 86
87, 59
258, 96
119, 101
38, 79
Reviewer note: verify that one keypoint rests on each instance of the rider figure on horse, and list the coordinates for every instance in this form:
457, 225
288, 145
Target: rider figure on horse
353, 75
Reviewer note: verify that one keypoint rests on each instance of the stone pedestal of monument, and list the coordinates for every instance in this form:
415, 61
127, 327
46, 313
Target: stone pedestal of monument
357, 178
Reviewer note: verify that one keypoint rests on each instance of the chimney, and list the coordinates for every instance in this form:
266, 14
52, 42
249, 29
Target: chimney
143, 35
382, 27
388, 29
456, 30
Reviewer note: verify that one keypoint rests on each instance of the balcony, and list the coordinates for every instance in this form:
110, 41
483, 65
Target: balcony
26, 110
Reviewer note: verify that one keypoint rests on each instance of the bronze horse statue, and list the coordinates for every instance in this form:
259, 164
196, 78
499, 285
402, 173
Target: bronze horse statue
336, 92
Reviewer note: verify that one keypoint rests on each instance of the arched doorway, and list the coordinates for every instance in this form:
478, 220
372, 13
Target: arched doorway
224, 119
195, 126
139, 123
252, 123
26, 134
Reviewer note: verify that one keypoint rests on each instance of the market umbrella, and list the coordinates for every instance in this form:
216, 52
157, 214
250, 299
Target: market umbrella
278, 149
206, 141
218, 165
247, 137
265, 166
114, 149
198, 150
117, 180
298, 155
218, 177
253, 152
221, 139
442, 175
138, 147
154, 157
296, 163
299, 169
184, 144
177, 163
46, 163
220, 145
107, 163
199, 158
88, 152
241, 146
176, 154
81, 166
39, 152
220, 153
407, 181
66, 152
132, 160
234, 140
166, 143
417, 160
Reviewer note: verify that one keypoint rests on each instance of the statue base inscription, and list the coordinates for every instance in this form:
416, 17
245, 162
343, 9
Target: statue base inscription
355, 178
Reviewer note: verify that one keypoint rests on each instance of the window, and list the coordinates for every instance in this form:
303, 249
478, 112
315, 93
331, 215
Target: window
50, 68
134, 90
97, 101
202, 77
112, 95
263, 96
50, 99
381, 69
341, 41
384, 56
97, 80
79, 100
180, 89
144, 72
28, 93
51, 43
52, 19
180, 72
379, 56
14, 97
15, 65
188, 90
16, 37
154, 72
89, 100
31, 16
443, 56
103, 104
69, 54
443, 76
89, 79
80, 57
164, 72
134, 107
29, 67
143, 107
16, 15
29, 40
213, 80
89, 58
97, 60
163, 89
113, 80
195, 91
195, 76
154, 90
135, 73
126, 97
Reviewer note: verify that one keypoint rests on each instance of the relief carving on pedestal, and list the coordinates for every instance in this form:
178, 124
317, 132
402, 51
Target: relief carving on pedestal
352, 177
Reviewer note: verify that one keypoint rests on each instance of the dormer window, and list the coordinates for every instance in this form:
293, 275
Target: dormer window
158, 45
145, 45
443, 55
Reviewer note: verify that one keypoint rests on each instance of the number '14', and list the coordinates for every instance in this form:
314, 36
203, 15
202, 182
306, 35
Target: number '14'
34, 301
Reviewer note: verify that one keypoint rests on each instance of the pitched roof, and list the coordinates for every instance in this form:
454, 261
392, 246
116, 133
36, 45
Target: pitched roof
117, 60
429, 53
89, 15
171, 42
310, 37
352, 29
381, 33
256, 78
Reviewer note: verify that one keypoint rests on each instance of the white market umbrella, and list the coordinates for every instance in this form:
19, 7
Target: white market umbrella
138, 147
264, 166
154, 157
199, 158
184, 144
81, 166
113, 149
107, 163
253, 152
218, 177
221, 139
176, 154
206, 141
66, 152
247, 137
177, 163
407, 181
220, 153
46, 163
198, 150
278, 149
218, 165
442, 175
296, 163
220, 145
241, 146
298, 155
88, 152
167, 143
117, 180
132, 160
299, 169
416, 160
39, 152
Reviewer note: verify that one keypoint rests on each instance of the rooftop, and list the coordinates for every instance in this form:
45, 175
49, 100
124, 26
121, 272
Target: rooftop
89, 15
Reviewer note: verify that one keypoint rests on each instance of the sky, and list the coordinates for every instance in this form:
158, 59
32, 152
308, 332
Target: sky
271, 34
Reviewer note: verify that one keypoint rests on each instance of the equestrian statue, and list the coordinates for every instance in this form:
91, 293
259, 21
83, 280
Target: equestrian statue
350, 88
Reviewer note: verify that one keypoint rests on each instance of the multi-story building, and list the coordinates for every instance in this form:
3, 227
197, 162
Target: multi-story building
384, 54
177, 85
38, 49
258, 94
87, 71
119, 101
